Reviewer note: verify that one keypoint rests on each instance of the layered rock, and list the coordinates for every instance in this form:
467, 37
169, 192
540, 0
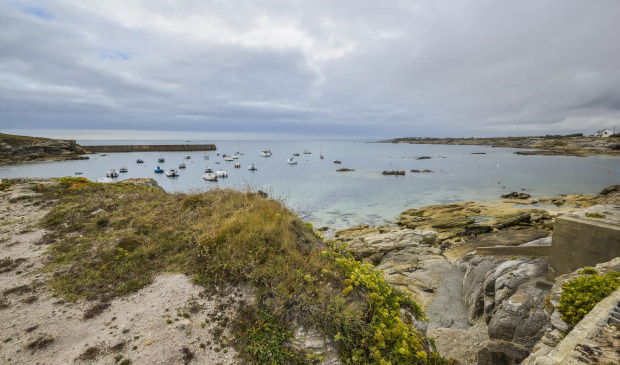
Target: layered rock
21, 149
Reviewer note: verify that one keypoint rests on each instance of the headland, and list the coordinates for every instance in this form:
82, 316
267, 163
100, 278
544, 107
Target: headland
550, 145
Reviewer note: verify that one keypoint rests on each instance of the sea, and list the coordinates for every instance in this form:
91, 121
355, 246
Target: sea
319, 194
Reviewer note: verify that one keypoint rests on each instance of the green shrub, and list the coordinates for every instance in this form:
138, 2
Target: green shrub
581, 294
5, 185
595, 215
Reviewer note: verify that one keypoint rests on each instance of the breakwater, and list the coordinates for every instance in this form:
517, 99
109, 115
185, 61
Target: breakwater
151, 147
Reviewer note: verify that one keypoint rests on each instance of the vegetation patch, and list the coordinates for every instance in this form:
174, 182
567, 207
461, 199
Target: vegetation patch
40, 343
581, 294
595, 215
4, 185
110, 240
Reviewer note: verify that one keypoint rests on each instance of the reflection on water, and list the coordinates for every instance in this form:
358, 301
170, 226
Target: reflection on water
319, 194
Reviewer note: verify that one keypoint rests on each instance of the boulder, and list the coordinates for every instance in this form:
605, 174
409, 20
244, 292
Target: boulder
516, 195
498, 352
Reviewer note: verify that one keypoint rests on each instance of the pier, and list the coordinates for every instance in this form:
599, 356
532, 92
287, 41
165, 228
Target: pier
151, 148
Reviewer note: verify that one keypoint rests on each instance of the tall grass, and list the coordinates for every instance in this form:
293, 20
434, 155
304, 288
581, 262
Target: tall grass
113, 239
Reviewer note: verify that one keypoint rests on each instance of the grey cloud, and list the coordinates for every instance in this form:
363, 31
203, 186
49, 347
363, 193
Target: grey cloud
350, 68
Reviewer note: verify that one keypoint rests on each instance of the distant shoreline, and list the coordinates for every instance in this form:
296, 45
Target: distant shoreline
578, 146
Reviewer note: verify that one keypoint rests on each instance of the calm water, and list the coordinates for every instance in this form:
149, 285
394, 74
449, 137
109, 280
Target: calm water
325, 197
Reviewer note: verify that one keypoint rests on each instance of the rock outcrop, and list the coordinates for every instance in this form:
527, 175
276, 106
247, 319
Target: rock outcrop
410, 259
20, 149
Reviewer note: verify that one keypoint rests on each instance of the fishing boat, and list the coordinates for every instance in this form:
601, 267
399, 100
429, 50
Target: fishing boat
251, 167
291, 161
78, 173
123, 169
182, 166
159, 170
337, 162
111, 174
209, 175
139, 160
187, 157
265, 153
221, 173
237, 165
321, 156
172, 173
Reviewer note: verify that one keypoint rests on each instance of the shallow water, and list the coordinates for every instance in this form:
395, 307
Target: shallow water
325, 197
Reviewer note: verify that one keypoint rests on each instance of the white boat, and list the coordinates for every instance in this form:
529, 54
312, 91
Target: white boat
221, 173
105, 180
235, 156
307, 152
290, 161
251, 167
172, 173
182, 166
228, 158
209, 175
265, 153
187, 157
111, 174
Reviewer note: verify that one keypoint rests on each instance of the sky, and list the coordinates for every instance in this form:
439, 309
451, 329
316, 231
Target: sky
230, 69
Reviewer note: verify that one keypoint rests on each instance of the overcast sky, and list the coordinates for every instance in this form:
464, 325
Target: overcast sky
316, 68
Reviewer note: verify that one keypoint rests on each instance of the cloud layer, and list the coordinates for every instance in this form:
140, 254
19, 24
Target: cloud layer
312, 68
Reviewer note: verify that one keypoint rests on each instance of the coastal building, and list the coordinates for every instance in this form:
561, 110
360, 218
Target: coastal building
604, 133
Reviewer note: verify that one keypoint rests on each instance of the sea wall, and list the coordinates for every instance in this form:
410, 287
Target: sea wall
152, 147
579, 242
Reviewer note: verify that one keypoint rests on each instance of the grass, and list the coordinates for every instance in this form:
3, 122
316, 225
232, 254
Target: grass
15, 141
111, 240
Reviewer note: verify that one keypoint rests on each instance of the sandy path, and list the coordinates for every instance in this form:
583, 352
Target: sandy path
144, 327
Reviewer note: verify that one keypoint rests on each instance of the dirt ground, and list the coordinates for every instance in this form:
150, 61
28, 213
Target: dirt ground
168, 322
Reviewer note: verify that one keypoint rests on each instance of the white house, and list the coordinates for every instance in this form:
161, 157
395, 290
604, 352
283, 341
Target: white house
603, 133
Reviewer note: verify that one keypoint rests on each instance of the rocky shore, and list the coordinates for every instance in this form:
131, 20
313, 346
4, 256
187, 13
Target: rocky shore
483, 309
545, 145
15, 149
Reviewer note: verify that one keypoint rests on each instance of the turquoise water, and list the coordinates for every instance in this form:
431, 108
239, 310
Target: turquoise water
325, 197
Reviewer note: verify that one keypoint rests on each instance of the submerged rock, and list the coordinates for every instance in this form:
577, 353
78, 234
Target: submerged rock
393, 172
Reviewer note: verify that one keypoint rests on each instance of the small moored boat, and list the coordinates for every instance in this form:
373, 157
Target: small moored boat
159, 170
251, 167
307, 152
161, 160
221, 173
205, 155
209, 175
182, 166
237, 165
187, 157
265, 153
337, 161
228, 158
172, 173
112, 174
296, 154
290, 161
139, 160
123, 169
